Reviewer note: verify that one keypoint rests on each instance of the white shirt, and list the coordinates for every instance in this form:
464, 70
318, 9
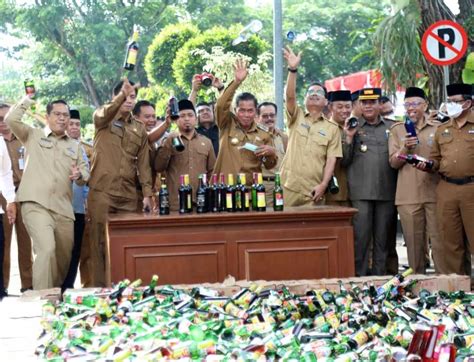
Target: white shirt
6, 175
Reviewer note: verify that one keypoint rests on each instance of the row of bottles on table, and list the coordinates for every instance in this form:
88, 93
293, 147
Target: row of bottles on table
219, 196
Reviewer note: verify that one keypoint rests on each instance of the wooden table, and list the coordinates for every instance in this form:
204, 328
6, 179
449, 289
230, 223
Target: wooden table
298, 243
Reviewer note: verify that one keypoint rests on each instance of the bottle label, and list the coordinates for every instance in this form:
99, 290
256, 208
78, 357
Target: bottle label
229, 200
261, 199
132, 56
164, 201
238, 200
201, 200
279, 199
247, 200
188, 201
361, 338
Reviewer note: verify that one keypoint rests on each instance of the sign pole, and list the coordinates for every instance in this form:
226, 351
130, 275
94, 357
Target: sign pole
445, 80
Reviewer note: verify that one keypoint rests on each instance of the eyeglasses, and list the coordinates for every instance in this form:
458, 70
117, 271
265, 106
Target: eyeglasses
267, 116
312, 92
413, 104
59, 114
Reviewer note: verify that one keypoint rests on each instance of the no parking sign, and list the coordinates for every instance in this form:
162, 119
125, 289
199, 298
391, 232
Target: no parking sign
444, 42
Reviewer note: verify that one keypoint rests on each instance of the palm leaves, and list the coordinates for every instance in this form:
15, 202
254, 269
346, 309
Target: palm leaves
397, 45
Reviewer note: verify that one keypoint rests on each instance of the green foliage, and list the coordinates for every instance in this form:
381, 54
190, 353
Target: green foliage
398, 46
163, 49
221, 64
334, 37
187, 63
158, 95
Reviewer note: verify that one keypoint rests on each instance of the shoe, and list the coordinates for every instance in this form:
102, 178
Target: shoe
3, 293
22, 290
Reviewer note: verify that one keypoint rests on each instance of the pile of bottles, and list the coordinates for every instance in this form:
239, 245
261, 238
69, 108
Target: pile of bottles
360, 322
221, 196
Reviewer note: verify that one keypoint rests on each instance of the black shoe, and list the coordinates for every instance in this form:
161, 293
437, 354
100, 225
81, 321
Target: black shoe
22, 290
3, 293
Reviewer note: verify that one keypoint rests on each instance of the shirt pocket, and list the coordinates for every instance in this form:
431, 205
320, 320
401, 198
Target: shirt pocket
236, 138
319, 144
45, 144
133, 144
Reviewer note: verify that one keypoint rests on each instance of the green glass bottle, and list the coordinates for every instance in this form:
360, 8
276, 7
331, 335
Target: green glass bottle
278, 203
239, 195
261, 196
254, 191
230, 194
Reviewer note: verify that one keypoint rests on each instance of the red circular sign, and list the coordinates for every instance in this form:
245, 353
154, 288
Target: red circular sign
444, 42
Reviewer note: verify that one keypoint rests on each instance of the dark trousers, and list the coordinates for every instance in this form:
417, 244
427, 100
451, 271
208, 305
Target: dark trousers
79, 225
2, 252
377, 221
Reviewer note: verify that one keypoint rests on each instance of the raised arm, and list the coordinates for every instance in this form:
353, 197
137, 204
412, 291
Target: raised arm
293, 60
14, 116
223, 112
106, 114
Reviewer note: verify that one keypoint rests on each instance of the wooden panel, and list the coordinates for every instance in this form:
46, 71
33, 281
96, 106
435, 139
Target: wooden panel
283, 258
294, 244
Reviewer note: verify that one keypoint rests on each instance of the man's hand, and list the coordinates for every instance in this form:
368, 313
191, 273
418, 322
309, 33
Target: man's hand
75, 173
421, 166
147, 204
410, 142
196, 83
293, 60
318, 192
265, 151
217, 83
128, 89
240, 70
11, 212
349, 132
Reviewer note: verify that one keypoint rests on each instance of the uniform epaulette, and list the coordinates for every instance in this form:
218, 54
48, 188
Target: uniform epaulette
263, 128
331, 121
397, 123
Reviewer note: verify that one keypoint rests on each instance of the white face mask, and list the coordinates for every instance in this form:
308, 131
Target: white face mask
451, 109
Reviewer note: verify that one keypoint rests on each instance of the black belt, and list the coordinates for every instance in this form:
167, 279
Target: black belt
268, 178
458, 181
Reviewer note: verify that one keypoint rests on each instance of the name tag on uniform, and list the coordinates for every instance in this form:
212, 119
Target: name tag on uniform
322, 133
471, 131
304, 125
118, 124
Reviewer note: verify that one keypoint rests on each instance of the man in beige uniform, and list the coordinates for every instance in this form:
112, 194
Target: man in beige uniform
267, 113
53, 160
236, 130
416, 191
314, 143
16, 152
340, 105
453, 155
121, 151
197, 158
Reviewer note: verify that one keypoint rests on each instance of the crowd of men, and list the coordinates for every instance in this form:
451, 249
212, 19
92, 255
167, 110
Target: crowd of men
65, 188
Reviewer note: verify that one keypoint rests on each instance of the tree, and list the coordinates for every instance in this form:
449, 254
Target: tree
163, 49
187, 63
332, 36
84, 40
397, 42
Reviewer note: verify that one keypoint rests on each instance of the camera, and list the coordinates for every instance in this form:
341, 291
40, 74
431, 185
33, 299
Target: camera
353, 122
206, 79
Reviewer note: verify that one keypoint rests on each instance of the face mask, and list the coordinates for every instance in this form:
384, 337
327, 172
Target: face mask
451, 109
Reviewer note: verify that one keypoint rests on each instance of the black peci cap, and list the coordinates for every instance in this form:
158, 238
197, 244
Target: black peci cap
415, 92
